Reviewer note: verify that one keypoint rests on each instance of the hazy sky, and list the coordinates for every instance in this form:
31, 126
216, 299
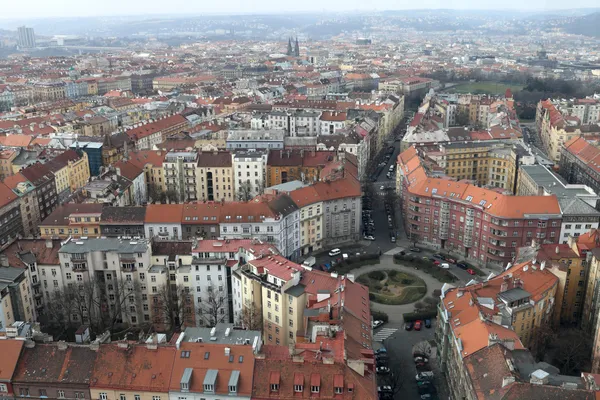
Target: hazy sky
70, 8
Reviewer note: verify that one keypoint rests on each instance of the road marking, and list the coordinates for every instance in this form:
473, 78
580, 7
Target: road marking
394, 251
383, 334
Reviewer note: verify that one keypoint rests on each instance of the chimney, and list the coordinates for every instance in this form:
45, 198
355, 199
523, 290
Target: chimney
49, 244
503, 287
62, 345
227, 351
557, 250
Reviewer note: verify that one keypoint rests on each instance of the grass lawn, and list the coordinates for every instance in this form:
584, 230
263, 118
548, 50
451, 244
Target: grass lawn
393, 287
484, 87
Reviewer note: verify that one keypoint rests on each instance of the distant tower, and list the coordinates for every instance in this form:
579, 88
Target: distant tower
26, 37
297, 48
289, 49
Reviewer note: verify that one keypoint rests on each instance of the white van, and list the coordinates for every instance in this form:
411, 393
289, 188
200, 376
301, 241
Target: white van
334, 252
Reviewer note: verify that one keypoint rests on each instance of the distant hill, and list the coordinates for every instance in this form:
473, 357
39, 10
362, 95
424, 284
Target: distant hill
588, 25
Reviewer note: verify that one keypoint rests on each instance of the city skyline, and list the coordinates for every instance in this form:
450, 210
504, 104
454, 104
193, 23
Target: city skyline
70, 8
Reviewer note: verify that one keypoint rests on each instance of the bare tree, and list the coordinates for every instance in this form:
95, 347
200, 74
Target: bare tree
245, 191
213, 307
173, 306
541, 340
573, 351
251, 318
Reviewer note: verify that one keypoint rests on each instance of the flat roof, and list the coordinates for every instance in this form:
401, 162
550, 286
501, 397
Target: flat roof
236, 336
105, 244
553, 183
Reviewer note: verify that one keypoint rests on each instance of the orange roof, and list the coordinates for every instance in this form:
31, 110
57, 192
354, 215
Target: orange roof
134, 368
7, 196
209, 356
305, 196
141, 158
164, 213
157, 126
10, 350
15, 140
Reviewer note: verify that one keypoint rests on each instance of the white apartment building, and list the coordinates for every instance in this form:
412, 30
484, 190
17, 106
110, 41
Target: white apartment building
249, 173
163, 221
117, 270
180, 174
295, 123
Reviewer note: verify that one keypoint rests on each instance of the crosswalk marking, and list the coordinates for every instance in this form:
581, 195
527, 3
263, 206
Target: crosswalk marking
383, 334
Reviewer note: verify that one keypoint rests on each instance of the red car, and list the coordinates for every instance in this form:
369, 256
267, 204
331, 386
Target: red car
470, 271
451, 260
436, 262
418, 325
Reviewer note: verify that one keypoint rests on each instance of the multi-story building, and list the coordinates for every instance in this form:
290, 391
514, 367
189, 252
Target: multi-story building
580, 162
213, 371
6, 158
122, 221
49, 91
116, 267
30, 212
295, 123
72, 220
147, 135
151, 162
71, 172
54, 370
94, 152
249, 173
138, 193
26, 37
15, 295
128, 371
214, 176
180, 174
255, 139
287, 165
331, 121
11, 222
45, 185
312, 231
480, 224
163, 221
201, 220
273, 220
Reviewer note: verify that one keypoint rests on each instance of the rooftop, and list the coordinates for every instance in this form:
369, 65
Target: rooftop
75, 246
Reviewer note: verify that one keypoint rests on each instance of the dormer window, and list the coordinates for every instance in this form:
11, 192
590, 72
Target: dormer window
209, 388
314, 389
232, 389
298, 388
274, 387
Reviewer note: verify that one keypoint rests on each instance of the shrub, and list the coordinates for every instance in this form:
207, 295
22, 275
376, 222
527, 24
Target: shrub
419, 305
437, 293
413, 316
406, 281
377, 275
377, 287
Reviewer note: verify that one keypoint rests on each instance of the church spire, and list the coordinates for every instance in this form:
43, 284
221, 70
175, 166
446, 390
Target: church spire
297, 48
289, 48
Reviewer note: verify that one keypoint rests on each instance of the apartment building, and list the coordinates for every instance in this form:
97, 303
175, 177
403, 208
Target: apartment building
43, 180
151, 161
6, 158
54, 370
11, 352
125, 371
11, 222
71, 171
163, 221
580, 162
180, 174
28, 201
72, 220
122, 221
201, 220
288, 165
215, 176
274, 220
480, 224
119, 268
295, 123
49, 91
212, 371
137, 191
312, 231
249, 173
149, 134
271, 139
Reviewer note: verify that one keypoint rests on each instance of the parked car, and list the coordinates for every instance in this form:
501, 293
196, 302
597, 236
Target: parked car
383, 370
377, 324
424, 376
450, 260
415, 249
421, 360
436, 262
470, 271
382, 187
408, 326
462, 265
369, 237
381, 350
444, 265
427, 323
441, 257
418, 325
393, 239
334, 252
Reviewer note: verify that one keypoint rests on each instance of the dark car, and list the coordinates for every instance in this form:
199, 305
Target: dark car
462, 265
408, 326
415, 249
427, 323
441, 257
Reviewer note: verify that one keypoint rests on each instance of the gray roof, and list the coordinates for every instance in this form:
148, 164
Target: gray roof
211, 377
234, 378
236, 336
295, 291
105, 244
288, 186
283, 205
552, 183
576, 206
514, 295
10, 274
187, 376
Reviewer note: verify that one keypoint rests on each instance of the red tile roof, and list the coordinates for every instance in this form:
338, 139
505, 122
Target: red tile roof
164, 213
10, 350
156, 126
7, 196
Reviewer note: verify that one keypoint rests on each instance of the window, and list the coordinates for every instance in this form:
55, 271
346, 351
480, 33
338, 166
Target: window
274, 387
339, 390
42, 392
314, 389
3, 388
298, 388
103, 396
122, 397
207, 388
136, 397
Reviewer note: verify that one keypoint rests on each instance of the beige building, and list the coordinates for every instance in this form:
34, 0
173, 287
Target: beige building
151, 161
214, 176
6, 158
16, 299
311, 218
30, 213
180, 175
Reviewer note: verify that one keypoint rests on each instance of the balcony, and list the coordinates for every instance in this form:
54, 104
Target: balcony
79, 266
128, 267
